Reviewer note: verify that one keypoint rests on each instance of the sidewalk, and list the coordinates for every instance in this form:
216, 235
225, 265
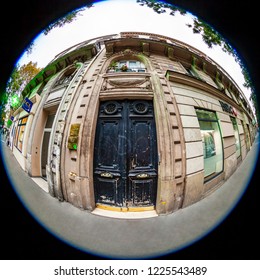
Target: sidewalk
130, 238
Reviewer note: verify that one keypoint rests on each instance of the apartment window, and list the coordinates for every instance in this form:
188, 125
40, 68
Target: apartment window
192, 71
20, 133
237, 139
66, 77
126, 66
212, 143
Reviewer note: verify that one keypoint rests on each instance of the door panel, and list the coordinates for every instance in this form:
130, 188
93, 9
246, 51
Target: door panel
106, 190
142, 192
108, 144
141, 143
125, 156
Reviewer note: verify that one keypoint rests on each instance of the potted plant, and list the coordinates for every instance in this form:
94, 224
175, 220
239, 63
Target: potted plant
113, 66
124, 68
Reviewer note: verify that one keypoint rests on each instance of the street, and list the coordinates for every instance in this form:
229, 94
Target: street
129, 238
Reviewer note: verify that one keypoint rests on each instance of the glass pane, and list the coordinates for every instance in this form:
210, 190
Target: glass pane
24, 120
121, 63
44, 154
206, 115
20, 138
236, 133
50, 121
133, 64
212, 143
126, 66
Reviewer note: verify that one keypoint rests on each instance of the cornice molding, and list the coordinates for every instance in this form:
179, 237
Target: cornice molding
196, 83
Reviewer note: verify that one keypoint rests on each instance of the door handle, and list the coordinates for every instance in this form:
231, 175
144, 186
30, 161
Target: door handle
106, 175
142, 176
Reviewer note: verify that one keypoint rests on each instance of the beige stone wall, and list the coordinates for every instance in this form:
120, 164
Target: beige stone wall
188, 99
207, 78
228, 138
36, 131
170, 138
76, 175
175, 97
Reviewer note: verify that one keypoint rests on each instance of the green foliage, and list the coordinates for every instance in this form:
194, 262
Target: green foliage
15, 101
161, 7
209, 35
68, 18
19, 78
9, 123
113, 65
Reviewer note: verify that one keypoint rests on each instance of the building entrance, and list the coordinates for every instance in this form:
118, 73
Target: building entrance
45, 143
125, 155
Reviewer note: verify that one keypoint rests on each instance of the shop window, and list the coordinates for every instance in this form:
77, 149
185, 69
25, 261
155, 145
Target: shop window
247, 136
126, 66
236, 133
212, 143
20, 133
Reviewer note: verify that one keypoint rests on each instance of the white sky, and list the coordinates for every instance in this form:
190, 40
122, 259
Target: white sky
115, 16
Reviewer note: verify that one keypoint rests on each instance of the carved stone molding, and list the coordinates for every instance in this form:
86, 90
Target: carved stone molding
129, 80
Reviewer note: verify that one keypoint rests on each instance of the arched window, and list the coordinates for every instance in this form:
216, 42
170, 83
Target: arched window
126, 66
66, 77
60, 87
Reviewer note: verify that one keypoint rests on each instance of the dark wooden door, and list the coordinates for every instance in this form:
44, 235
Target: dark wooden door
125, 156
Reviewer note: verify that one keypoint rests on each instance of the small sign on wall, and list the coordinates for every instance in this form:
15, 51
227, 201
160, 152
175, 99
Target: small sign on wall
228, 108
73, 137
27, 105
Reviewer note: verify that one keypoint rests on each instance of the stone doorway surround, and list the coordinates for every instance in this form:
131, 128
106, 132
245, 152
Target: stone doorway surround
77, 174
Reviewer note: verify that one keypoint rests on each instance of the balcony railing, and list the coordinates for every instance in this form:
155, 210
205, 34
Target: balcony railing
126, 69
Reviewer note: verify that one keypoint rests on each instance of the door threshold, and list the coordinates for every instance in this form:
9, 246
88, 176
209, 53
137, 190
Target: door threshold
125, 209
41, 182
124, 215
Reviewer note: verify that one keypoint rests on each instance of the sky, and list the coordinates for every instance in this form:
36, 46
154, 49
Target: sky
115, 16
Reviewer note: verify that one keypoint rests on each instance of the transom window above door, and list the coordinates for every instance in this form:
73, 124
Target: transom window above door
126, 66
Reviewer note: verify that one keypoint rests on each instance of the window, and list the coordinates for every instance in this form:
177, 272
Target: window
126, 66
193, 72
66, 77
236, 132
20, 133
212, 143
247, 136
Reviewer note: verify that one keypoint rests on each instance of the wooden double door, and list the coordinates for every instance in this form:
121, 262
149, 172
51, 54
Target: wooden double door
125, 154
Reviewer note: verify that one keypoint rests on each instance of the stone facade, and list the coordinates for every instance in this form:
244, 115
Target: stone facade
59, 138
